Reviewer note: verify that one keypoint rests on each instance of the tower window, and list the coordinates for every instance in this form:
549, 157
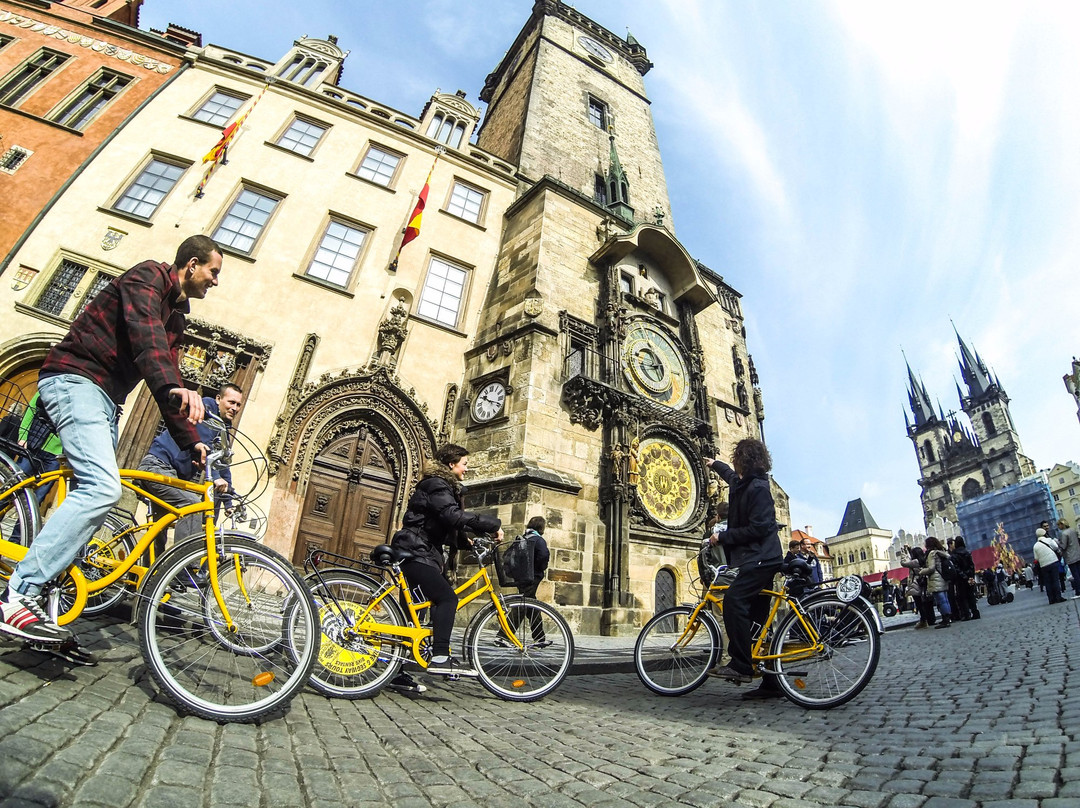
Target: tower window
304, 69
26, 78
600, 191
626, 283
988, 424
862, 555
446, 129
598, 113
928, 451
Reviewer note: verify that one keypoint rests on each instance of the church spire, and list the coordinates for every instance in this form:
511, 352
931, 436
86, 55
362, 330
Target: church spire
618, 185
973, 370
919, 400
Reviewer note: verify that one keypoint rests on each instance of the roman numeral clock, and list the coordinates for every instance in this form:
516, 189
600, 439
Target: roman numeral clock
654, 366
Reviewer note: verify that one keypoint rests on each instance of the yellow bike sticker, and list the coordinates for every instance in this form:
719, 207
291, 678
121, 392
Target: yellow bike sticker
342, 652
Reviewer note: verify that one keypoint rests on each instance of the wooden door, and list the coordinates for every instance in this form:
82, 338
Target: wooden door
349, 503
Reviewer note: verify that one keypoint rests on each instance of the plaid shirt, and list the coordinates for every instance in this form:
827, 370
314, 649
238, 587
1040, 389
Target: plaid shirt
131, 331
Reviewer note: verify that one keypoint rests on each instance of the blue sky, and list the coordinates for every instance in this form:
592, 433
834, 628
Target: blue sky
865, 174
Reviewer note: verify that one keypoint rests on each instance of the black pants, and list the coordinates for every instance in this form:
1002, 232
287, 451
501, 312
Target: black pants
743, 607
444, 601
967, 605
536, 621
925, 604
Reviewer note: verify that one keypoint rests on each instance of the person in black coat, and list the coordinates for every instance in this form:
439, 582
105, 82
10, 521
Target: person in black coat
966, 601
436, 518
752, 543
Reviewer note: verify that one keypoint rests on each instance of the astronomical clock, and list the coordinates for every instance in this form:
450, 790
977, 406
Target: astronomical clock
667, 486
654, 365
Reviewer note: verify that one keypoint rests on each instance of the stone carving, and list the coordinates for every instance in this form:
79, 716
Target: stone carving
303, 364
744, 399
392, 333
322, 504
632, 461
210, 354
448, 414
618, 455
652, 298
96, 45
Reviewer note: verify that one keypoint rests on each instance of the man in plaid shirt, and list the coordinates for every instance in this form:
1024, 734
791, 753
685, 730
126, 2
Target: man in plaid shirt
131, 331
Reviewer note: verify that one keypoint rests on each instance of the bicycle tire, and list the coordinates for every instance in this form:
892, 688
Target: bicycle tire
668, 668
20, 518
352, 665
520, 674
824, 679
210, 679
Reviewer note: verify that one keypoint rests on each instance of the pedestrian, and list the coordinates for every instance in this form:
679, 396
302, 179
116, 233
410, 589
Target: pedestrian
936, 585
816, 576
130, 331
1029, 576
534, 533
167, 458
436, 518
752, 542
1070, 553
914, 558
1047, 555
967, 602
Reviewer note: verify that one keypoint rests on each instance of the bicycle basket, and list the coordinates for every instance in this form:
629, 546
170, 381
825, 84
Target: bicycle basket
12, 407
514, 565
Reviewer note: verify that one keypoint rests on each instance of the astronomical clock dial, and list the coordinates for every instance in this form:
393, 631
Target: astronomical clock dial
489, 401
595, 49
667, 486
654, 366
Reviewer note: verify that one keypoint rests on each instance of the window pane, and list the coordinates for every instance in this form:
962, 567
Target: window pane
151, 186
28, 76
441, 298
218, 109
337, 253
301, 137
61, 286
98, 92
100, 282
245, 220
598, 113
379, 166
466, 202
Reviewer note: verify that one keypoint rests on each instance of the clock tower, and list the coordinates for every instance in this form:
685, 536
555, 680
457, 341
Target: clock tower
607, 359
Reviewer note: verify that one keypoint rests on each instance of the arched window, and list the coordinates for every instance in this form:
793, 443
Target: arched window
862, 555
988, 424
851, 558
928, 451
971, 489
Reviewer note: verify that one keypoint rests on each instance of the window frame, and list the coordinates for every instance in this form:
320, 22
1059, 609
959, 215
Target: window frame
255, 188
468, 187
76, 299
331, 219
390, 153
605, 112
305, 119
216, 90
23, 67
135, 176
466, 285
85, 99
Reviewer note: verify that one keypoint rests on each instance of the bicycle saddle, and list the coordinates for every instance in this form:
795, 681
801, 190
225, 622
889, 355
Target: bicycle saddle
384, 555
797, 567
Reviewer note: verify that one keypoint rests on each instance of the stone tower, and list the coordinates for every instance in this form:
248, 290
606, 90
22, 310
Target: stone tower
607, 359
961, 458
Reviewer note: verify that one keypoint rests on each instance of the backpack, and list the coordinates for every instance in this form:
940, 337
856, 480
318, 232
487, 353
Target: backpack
947, 567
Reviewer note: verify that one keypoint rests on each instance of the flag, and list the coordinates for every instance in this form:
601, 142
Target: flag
220, 152
412, 229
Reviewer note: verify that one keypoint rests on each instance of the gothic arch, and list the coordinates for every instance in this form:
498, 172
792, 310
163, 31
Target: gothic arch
26, 350
337, 405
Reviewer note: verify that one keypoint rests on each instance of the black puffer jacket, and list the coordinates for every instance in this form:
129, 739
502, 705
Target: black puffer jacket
752, 537
435, 518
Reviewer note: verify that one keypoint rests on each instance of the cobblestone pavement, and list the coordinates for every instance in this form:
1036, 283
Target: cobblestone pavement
984, 713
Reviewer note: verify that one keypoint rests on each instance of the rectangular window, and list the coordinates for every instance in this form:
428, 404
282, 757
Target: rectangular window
600, 191
379, 166
444, 289
148, 190
218, 108
5, 40
13, 158
1072, 491
338, 252
244, 222
598, 114
626, 283
466, 202
91, 99
28, 76
301, 137
70, 289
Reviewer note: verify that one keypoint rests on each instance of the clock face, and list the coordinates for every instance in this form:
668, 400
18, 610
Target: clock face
654, 366
595, 49
667, 486
489, 401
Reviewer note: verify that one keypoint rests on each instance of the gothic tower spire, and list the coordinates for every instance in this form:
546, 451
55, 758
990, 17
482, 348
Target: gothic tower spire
974, 371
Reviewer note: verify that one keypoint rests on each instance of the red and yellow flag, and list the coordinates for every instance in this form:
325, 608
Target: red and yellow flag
412, 229
220, 152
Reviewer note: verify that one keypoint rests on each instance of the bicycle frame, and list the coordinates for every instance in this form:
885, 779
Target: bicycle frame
122, 567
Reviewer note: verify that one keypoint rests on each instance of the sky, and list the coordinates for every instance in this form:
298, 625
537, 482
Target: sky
868, 175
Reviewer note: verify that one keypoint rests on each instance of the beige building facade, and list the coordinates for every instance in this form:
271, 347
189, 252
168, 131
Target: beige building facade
860, 547
546, 317
1064, 482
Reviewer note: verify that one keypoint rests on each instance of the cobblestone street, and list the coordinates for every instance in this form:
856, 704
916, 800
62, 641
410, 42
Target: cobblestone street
985, 713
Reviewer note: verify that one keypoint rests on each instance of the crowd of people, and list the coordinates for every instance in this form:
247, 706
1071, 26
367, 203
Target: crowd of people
943, 584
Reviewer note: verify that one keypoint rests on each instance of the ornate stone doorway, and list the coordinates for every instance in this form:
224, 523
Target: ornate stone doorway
350, 499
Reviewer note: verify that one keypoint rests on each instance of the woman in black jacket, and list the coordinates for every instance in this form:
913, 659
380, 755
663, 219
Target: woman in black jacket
752, 542
436, 518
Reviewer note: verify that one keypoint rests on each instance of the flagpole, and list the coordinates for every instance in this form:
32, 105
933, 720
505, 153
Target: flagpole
220, 152
412, 229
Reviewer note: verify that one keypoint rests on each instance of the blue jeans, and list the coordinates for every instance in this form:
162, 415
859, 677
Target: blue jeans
941, 599
85, 420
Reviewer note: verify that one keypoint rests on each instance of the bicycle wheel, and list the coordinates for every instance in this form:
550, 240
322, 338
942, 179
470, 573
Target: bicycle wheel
520, 674
20, 519
351, 665
113, 542
672, 656
230, 681
833, 676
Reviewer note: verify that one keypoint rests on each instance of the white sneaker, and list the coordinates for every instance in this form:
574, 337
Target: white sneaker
22, 616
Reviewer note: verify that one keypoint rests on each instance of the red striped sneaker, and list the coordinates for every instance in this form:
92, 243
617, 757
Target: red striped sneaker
21, 616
